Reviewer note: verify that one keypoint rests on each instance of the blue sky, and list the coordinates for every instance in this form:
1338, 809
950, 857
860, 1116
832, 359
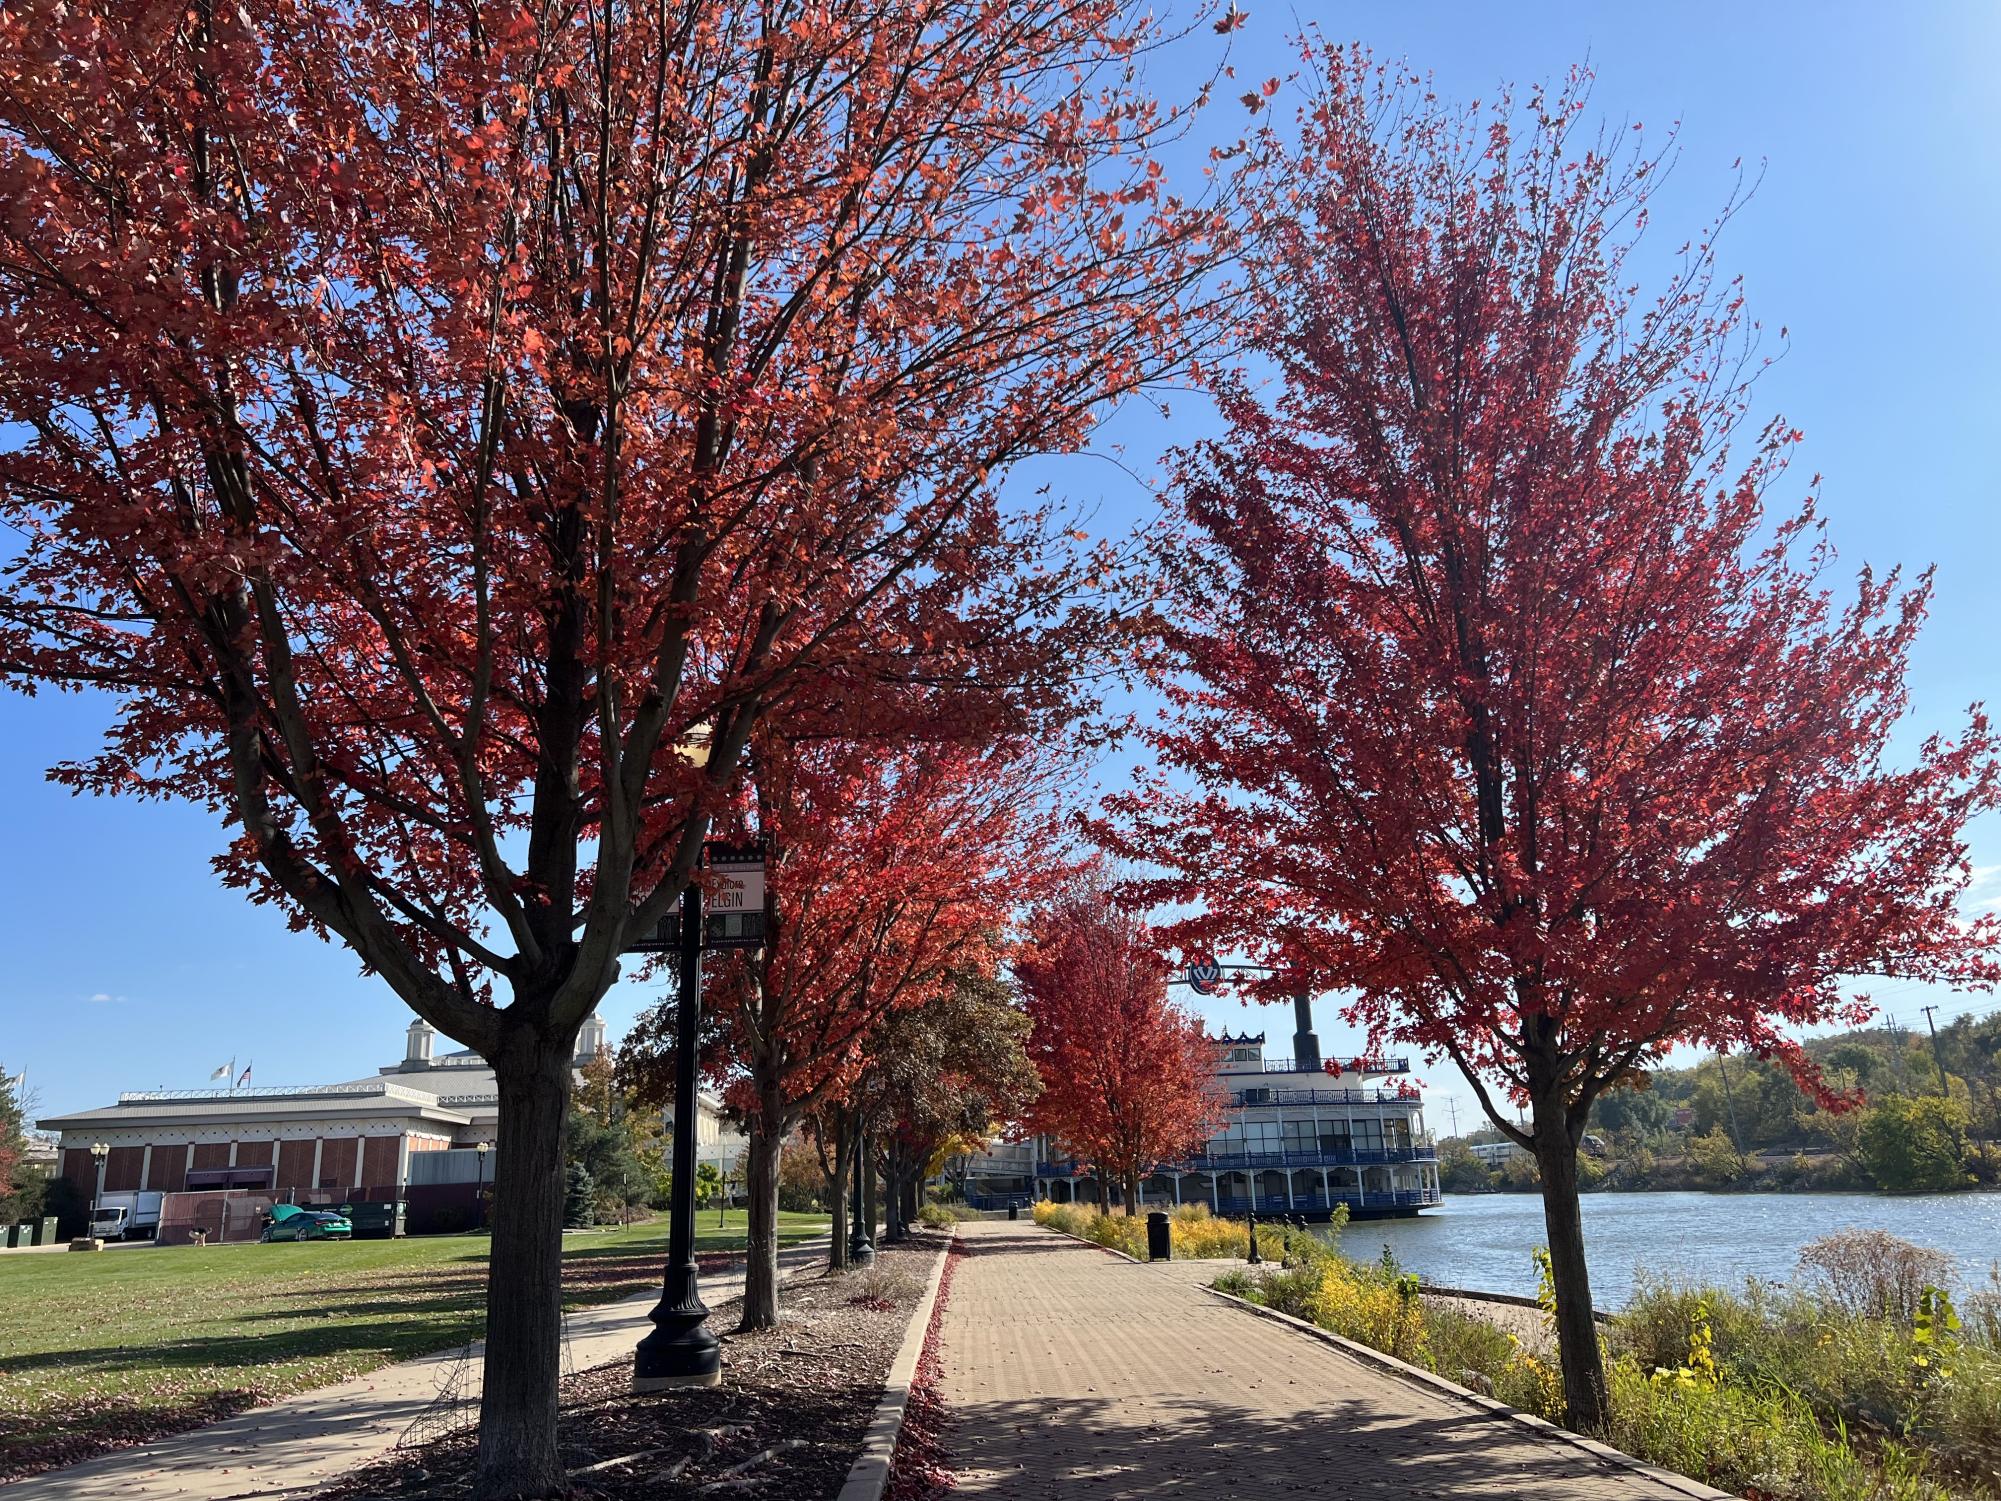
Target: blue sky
1873, 238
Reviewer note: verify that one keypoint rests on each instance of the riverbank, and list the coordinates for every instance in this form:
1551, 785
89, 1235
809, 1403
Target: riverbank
1487, 1241
1862, 1381
1743, 1186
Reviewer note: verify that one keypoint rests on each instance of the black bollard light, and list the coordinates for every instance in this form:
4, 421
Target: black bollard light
1254, 1259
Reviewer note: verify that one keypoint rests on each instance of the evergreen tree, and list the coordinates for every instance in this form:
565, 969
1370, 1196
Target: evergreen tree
579, 1197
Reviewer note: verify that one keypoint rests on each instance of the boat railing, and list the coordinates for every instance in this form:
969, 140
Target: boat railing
1223, 1162
1272, 1205
1253, 1095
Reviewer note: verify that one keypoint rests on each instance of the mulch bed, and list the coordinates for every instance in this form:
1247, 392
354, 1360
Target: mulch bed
785, 1424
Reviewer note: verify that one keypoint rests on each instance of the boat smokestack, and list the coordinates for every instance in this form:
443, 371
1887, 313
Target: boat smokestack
1305, 1045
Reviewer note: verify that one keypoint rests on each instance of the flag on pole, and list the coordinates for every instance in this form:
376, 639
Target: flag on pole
223, 1072
246, 1077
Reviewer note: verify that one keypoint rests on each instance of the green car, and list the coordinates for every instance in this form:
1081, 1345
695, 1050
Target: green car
290, 1222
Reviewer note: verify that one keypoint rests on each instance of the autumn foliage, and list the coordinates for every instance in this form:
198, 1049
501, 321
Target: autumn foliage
1126, 1073
1500, 694
430, 424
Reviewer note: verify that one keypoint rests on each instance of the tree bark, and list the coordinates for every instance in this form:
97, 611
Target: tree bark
837, 1254
524, 1289
1132, 1194
870, 1203
760, 1273
892, 1202
1584, 1390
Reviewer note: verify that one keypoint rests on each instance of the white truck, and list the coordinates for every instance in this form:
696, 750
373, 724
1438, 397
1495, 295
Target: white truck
126, 1216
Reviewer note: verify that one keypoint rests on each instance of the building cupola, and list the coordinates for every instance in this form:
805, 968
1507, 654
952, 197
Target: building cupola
590, 1038
417, 1044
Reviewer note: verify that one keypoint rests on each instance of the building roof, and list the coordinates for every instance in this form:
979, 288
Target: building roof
362, 1097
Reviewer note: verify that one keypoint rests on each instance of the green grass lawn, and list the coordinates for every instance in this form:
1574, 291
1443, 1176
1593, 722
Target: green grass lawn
97, 1350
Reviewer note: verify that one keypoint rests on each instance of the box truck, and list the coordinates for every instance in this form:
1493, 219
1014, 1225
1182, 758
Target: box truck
127, 1216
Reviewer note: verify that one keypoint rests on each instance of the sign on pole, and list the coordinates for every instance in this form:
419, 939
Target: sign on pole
733, 907
732, 913
1204, 975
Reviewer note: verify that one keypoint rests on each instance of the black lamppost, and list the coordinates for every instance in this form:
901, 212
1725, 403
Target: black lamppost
479, 1194
98, 1152
681, 1351
860, 1251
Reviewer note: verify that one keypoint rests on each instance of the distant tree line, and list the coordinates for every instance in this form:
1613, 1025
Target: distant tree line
1929, 1119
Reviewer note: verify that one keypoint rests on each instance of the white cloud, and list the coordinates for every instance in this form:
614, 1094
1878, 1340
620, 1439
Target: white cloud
104, 998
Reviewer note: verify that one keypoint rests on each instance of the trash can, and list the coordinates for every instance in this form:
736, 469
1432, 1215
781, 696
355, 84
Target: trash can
1013, 1210
1159, 1242
48, 1235
11, 1236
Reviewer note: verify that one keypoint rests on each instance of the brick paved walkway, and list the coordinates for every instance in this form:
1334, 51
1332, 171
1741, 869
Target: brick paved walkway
1071, 1372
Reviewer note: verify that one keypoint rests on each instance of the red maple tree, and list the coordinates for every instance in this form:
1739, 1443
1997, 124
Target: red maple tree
427, 425
1126, 1074
1503, 699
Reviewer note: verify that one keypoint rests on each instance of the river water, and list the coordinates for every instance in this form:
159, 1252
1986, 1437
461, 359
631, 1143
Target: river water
1484, 1241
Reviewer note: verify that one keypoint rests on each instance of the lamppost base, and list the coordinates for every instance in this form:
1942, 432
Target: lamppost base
861, 1255
680, 1351
641, 1385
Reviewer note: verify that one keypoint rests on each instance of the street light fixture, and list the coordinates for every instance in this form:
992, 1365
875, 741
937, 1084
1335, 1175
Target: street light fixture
681, 1351
860, 1251
98, 1152
479, 1194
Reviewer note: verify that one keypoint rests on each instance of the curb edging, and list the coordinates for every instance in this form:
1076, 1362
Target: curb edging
868, 1477
1492, 1407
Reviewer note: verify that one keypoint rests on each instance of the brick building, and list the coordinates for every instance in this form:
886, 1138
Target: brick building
340, 1138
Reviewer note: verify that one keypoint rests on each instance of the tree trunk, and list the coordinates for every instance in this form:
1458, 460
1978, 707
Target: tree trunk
524, 1280
1584, 1392
837, 1254
760, 1268
870, 1203
1103, 1186
910, 1204
1132, 1194
892, 1203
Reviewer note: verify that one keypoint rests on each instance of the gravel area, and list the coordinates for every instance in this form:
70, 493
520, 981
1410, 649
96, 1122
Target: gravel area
785, 1424
1525, 1324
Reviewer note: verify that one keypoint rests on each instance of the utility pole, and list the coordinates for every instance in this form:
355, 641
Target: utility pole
1937, 1056
1730, 1099
1452, 1109
1896, 1046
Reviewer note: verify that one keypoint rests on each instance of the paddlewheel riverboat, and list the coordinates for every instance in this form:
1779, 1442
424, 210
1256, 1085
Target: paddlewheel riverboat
1303, 1134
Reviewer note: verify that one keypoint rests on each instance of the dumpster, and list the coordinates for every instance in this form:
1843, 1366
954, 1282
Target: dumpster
1159, 1241
376, 1221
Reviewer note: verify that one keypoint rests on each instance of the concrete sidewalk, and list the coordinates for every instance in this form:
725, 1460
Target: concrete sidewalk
1066, 1371
297, 1446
